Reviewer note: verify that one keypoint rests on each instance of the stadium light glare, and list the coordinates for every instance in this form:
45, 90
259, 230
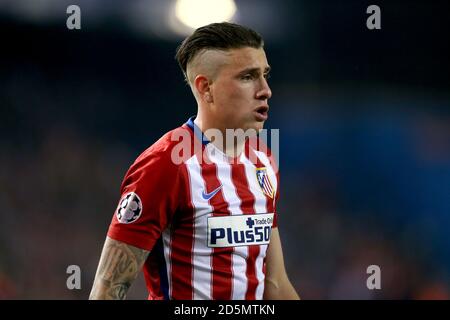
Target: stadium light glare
197, 13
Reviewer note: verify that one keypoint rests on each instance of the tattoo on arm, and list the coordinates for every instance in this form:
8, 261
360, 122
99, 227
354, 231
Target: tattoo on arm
118, 268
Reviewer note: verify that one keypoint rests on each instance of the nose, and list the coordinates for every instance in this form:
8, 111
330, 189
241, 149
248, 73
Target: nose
264, 92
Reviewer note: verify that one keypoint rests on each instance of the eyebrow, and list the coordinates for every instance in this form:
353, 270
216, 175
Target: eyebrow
254, 70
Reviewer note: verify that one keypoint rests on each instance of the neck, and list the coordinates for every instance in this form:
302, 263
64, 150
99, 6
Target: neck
230, 145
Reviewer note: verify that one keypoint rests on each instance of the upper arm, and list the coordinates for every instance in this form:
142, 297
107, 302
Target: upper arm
118, 268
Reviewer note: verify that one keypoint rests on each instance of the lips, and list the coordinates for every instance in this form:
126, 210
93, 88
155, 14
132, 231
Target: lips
262, 113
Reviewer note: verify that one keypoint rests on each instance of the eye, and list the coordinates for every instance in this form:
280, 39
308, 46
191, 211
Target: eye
267, 76
247, 77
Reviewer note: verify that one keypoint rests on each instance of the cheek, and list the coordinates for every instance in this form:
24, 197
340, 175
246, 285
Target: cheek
237, 97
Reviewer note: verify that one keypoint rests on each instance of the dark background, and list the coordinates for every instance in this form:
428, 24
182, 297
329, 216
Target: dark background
364, 123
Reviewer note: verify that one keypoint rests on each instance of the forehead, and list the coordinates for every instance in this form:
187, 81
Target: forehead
245, 58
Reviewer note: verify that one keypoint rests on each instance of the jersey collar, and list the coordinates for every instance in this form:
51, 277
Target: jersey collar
197, 132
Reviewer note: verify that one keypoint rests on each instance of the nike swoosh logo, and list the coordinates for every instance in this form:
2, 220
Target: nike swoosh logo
208, 196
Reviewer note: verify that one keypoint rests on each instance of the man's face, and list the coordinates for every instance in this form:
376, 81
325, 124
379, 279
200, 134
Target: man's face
240, 90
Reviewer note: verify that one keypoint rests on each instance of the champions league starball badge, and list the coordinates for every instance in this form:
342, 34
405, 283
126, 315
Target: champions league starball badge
129, 209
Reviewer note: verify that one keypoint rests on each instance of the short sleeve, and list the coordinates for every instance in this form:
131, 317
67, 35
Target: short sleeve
150, 194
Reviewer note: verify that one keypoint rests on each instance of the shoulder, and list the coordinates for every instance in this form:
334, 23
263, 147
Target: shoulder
163, 152
162, 148
160, 159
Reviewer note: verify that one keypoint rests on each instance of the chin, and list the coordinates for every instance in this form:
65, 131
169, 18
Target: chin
258, 126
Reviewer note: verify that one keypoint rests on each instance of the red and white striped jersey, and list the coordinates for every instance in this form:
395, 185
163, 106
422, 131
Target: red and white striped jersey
205, 218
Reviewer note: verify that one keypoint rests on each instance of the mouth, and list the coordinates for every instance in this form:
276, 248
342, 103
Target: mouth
262, 113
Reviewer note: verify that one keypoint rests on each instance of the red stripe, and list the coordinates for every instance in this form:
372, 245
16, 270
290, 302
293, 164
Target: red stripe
182, 239
222, 271
182, 242
267, 185
152, 278
247, 206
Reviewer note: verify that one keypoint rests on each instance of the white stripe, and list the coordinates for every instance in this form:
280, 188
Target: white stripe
266, 188
166, 236
201, 275
259, 272
240, 254
268, 185
260, 207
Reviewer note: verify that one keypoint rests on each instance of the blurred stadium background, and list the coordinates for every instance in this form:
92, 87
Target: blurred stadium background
364, 123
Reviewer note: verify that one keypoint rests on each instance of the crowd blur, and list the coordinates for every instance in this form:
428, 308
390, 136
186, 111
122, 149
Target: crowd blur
364, 158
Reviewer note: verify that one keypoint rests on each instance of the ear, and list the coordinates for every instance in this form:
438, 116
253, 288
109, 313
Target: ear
203, 87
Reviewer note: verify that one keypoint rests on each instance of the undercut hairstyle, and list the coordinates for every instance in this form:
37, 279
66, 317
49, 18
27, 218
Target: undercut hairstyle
216, 36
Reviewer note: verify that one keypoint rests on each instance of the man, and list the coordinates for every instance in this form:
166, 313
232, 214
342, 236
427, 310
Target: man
197, 214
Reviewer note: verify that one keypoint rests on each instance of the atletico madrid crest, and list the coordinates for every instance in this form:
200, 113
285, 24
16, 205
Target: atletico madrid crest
264, 181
